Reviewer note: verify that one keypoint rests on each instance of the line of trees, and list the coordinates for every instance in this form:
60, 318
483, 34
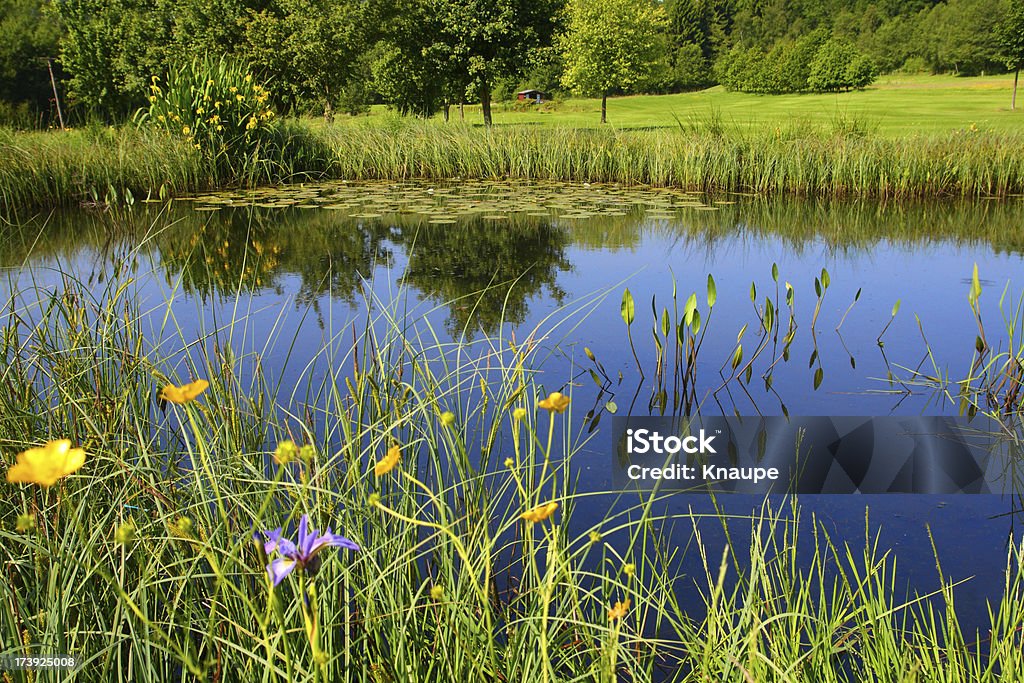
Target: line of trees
424, 56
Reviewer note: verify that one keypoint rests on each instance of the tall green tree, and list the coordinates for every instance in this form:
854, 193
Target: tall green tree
609, 45
489, 39
1011, 42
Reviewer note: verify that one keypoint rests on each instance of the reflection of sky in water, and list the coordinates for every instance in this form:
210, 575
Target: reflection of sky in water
929, 276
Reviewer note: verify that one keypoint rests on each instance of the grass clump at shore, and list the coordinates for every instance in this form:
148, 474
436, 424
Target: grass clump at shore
115, 165
451, 467
844, 160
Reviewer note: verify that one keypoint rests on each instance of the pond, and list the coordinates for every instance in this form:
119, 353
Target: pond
291, 267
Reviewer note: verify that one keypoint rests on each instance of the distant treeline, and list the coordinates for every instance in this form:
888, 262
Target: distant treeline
423, 56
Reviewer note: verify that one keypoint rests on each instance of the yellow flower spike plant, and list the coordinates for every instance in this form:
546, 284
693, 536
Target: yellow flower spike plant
46, 464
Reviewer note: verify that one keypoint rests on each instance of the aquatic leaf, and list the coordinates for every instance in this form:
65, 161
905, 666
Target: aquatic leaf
737, 356
817, 287
597, 380
819, 375
896, 308
856, 297
665, 326
712, 292
975, 292
789, 295
825, 279
753, 292
775, 272
690, 308
695, 325
611, 407
742, 332
590, 354
627, 309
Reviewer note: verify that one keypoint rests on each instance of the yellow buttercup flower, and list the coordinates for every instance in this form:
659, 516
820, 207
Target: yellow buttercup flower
539, 513
619, 609
555, 402
519, 413
388, 462
447, 418
46, 464
184, 393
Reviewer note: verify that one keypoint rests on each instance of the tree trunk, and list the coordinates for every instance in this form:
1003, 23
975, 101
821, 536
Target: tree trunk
1013, 100
462, 110
604, 107
447, 106
485, 101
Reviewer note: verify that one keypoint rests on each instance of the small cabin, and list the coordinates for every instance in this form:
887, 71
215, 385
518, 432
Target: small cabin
535, 95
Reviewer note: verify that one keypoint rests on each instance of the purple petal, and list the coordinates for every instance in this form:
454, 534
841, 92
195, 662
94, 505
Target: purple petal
329, 539
275, 542
280, 568
306, 538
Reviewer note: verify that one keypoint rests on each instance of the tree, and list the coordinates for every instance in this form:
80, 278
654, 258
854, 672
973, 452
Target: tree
26, 35
1011, 42
838, 66
609, 44
489, 39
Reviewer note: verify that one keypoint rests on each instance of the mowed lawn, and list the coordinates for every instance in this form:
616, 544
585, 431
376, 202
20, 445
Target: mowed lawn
895, 105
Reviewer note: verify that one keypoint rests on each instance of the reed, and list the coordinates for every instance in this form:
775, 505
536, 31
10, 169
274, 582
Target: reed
143, 562
47, 169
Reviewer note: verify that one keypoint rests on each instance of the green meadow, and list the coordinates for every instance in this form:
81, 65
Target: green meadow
897, 104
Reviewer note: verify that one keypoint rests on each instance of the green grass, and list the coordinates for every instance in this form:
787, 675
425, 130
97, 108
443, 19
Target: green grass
450, 583
896, 105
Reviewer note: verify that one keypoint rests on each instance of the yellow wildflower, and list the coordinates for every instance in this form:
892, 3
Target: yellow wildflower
519, 413
209, 82
248, 77
152, 98
619, 609
555, 402
388, 462
233, 89
539, 513
46, 464
184, 393
447, 418
629, 569
436, 592
185, 130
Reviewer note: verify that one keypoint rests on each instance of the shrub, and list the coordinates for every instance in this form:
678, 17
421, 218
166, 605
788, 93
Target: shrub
839, 66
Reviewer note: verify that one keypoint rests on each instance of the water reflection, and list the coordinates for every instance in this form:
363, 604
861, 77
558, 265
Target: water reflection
488, 261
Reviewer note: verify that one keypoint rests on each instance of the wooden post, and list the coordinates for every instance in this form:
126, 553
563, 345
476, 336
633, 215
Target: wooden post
56, 97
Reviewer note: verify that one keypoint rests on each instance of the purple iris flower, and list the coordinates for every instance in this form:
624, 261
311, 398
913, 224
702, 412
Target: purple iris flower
302, 554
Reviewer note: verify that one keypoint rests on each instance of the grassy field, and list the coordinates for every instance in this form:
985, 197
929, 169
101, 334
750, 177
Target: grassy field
896, 105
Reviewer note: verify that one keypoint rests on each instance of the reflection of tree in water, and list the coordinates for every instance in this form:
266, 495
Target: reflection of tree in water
236, 250
486, 270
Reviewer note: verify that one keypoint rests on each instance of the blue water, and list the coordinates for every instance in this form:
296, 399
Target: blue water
571, 276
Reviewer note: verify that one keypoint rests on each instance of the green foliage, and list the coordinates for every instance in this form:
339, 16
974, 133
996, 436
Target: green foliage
1011, 35
815, 63
609, 44
483, 40
838, 66
215, 105
27, 33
